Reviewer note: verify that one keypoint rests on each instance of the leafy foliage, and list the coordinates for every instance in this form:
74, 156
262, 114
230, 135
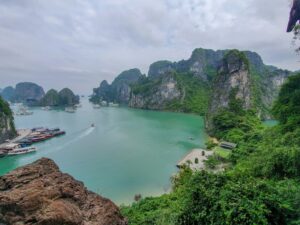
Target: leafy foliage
196, 95
5, 111
262, 186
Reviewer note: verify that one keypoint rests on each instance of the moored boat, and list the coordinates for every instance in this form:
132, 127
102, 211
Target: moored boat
96, 106
70, 110
20, 151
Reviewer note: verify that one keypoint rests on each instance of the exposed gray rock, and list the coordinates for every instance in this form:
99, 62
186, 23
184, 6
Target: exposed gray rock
157, 98
233, 78
160, 68
8, 93
28, 91
7, 128
119, 90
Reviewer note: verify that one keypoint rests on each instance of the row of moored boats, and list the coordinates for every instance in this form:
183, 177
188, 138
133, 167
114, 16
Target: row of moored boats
24, 145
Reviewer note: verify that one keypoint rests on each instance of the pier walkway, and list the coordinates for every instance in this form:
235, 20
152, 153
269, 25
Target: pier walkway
22, 133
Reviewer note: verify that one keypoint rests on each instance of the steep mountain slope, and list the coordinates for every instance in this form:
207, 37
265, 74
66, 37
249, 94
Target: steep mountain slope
7, 128
119, 91
8, 93
65, 97
198, 74
26, 92
187, 85
233, 82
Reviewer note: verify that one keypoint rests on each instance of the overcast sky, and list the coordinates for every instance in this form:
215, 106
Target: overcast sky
78, 43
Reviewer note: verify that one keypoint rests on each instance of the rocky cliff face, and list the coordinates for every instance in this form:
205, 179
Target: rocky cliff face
164, 91
67, 97
8, 93
205, 65
26, 92
51, 98
7, 128
232, 82
194, 81
119, 90
40, 194
160, 68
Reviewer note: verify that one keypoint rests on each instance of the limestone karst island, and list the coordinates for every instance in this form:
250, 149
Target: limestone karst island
161, 112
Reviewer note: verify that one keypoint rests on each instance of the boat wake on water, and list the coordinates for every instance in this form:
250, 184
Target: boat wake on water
77, 136
87, 132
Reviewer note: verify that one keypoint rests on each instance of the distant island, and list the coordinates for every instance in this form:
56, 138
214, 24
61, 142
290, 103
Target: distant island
32, 94
65, 97
26, 92
187, 85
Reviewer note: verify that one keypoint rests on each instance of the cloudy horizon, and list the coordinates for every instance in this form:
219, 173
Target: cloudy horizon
79, 43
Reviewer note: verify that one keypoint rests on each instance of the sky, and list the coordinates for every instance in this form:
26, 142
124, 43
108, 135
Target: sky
79, 43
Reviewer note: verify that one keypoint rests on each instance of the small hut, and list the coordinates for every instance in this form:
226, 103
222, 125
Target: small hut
228, 145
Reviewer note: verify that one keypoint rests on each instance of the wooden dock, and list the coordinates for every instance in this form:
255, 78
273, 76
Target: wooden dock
195, 159
22, 133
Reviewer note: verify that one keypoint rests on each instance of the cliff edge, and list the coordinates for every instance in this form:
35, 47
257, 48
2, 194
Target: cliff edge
39, 193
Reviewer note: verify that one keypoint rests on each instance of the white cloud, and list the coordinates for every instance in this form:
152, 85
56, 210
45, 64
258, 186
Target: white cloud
81, 42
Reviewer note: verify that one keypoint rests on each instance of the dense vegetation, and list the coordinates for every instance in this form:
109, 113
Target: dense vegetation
6, 114
196, 92
262, 186
65, 97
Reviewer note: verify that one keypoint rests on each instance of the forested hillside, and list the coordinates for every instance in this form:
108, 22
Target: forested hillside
260, 185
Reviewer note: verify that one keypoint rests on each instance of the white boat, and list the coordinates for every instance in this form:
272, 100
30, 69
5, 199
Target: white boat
103, 103
78, 106
47, 108
70, 110
20, 151
111, 104
96, 106
22, 111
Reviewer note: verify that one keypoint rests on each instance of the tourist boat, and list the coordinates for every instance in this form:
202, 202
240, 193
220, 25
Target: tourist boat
96, 106
25, 141
41, 137
20, 151
111, 104
47, 108
22, 111
70, 110
104, 103
58, 133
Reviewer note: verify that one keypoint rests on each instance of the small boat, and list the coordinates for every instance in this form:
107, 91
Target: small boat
92, 125
22, 111
96, 106
111, 104
58, 133
78, 106
104, 103
41, 138
70, 110
20, 151
47, 108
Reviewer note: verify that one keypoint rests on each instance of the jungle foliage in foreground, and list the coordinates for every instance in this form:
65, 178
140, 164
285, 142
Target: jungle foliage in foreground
261, 187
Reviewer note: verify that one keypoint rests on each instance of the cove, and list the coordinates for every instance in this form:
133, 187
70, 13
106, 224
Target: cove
128, 151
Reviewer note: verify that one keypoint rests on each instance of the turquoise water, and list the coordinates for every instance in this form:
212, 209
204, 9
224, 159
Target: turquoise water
128, 152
